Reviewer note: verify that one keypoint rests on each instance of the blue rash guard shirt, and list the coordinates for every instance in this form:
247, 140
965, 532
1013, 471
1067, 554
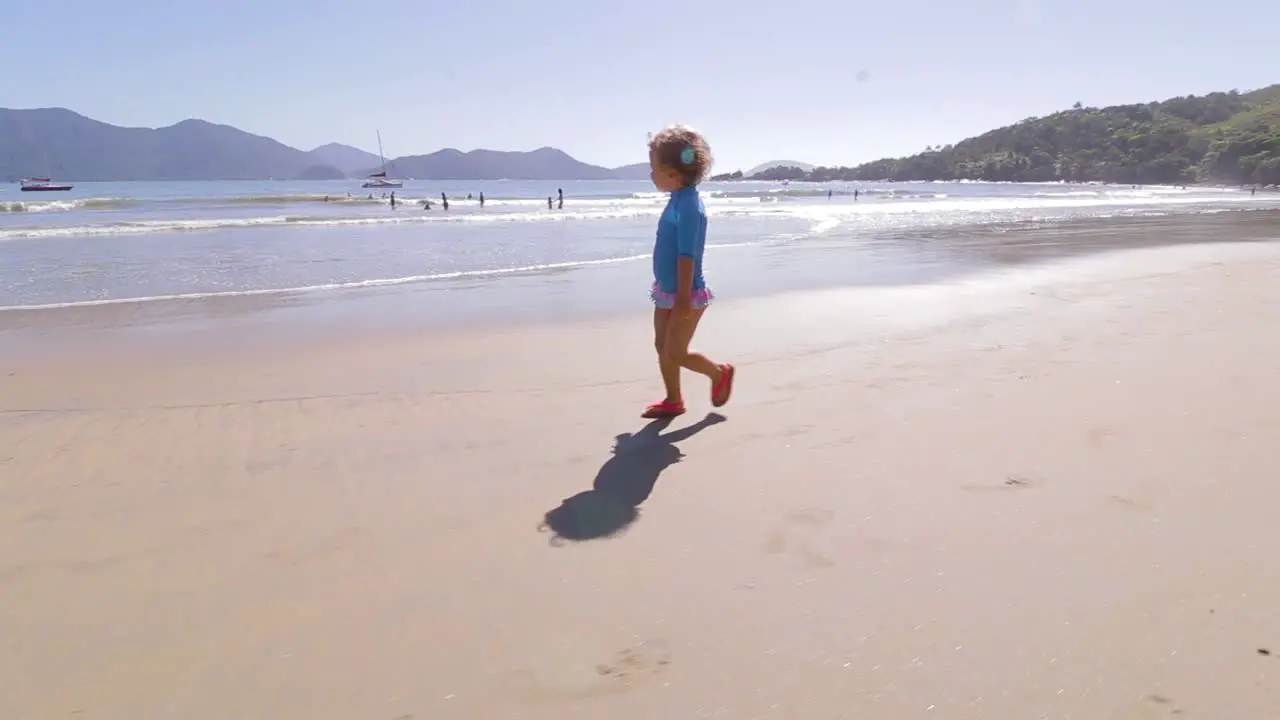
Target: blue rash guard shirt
682, 232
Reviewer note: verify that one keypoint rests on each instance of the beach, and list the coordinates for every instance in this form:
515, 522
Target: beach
149, 243
1042, 490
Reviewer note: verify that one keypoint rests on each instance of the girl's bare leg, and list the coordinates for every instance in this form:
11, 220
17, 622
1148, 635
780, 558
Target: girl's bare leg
670, 370
675, 349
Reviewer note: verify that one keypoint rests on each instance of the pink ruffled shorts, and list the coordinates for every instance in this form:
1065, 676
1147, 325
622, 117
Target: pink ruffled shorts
666, 301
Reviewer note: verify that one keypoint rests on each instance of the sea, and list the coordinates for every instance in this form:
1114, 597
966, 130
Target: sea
255, 246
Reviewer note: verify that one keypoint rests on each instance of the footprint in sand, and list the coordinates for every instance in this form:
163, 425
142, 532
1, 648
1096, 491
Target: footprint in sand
569, 679
1141, 500
1013, 482
796, 535
1100, 437
1151, 707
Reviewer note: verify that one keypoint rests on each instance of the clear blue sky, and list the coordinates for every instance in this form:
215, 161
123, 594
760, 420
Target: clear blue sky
765, 79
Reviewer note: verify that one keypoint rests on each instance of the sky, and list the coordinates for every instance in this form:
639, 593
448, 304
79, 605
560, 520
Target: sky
831, 82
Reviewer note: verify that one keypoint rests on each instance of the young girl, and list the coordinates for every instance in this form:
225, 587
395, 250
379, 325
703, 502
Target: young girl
679, 159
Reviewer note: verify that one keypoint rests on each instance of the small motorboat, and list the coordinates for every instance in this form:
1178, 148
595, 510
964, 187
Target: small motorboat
42, 185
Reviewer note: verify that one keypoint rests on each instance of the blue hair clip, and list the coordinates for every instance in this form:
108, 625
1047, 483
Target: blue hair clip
687, 155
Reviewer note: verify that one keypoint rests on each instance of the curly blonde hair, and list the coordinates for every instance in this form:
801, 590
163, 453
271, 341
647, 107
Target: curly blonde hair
684, 150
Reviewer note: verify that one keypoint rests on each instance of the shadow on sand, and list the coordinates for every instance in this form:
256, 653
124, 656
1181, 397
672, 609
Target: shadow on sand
623, 482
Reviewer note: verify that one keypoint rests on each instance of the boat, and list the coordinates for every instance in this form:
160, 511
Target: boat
379, 180
42, 185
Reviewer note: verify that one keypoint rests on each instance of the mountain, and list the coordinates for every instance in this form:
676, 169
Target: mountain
321, 172
773, 170
69, 146
638, 171
541, 164
759, 169
1226, 137
195, 149
348, 159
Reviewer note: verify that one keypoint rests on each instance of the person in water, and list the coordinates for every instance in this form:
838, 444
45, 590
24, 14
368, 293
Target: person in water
482, 199
444, 201
679, 159
393, 201
560, 195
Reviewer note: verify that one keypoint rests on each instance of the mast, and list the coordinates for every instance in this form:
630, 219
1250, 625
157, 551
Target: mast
381, 157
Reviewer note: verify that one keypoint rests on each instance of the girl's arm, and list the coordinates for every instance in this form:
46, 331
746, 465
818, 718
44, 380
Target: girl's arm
684, 281
689, 224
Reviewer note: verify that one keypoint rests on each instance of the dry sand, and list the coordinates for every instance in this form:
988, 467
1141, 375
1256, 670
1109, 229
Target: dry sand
1038, 498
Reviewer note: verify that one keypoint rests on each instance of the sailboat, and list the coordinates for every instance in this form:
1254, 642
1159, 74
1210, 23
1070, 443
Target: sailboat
380, 179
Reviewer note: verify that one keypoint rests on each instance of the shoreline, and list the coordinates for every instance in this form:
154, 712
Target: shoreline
596, 292
815, 320
279, 258
975, 502
725, 179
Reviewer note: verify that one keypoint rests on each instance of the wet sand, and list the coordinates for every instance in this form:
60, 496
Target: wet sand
1048, 494
850, 258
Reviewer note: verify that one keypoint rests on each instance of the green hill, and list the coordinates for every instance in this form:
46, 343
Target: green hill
1226, 137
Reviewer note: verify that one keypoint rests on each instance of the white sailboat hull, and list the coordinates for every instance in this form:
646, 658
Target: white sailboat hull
379, 180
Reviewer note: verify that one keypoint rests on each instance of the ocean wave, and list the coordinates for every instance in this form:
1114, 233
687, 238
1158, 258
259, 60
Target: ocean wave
382, 197
740, 193
356, 284
163, 226
822, 216
353, 285
270, 199
16, 206
816, 192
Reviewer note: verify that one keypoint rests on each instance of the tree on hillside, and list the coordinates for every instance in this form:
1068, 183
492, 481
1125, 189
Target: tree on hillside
1224, 137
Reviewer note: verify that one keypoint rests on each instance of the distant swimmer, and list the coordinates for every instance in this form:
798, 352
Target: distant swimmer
426, 204
560, 194
393, 201
828, 194
481, 199
549, 205
855, 195
326, 198
444, 201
